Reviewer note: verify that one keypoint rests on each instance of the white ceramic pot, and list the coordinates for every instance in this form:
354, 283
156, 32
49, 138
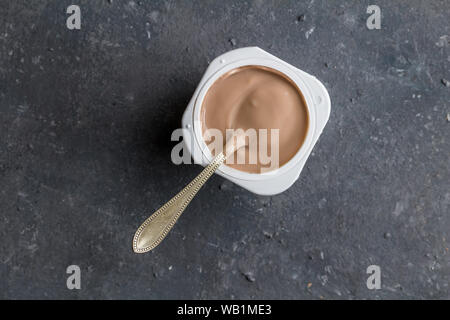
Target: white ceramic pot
317, 102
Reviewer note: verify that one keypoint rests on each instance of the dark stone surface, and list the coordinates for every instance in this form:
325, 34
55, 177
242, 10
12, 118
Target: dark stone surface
85, 124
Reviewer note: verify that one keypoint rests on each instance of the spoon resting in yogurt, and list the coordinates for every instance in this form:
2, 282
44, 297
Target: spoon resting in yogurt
157, 226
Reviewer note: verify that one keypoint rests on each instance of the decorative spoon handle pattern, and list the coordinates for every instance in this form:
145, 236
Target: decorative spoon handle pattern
158, 225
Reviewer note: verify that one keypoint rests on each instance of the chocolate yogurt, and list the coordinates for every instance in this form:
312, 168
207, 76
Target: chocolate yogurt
257, 97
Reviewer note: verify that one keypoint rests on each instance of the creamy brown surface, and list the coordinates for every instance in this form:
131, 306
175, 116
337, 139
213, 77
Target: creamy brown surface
260, 98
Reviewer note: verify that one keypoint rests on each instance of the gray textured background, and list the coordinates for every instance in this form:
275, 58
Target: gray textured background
85, 124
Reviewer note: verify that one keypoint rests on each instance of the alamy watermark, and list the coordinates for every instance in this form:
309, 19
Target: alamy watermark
261, 147
74, 20
374, 20
374, 280
74, 280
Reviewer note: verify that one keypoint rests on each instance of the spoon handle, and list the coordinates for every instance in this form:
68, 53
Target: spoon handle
158, 225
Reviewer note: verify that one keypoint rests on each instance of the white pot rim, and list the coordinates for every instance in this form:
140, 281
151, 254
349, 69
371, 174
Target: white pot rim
302, 87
